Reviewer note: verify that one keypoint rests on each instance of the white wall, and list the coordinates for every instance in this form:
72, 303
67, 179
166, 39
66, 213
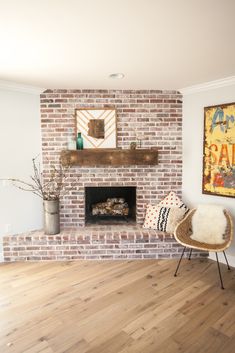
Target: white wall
20, 141
193, 121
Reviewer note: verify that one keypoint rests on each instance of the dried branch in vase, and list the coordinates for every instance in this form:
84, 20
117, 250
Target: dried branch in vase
50, 185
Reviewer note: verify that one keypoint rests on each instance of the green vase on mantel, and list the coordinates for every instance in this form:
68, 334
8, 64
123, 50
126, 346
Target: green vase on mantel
79, 141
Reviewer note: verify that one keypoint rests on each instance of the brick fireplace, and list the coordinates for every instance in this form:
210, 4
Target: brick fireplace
154, 115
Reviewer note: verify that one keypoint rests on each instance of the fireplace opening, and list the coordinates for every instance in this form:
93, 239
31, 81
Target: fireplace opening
110, 205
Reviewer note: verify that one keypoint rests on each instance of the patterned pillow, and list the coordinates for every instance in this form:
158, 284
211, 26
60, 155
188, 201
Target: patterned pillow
163, 219
172, 200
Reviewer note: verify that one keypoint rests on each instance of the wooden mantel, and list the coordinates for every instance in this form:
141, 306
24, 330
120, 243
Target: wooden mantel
108, 156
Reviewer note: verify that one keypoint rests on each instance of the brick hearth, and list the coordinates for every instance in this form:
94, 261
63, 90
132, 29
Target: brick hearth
93, 243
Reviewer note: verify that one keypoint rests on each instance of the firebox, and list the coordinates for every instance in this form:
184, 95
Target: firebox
110, 205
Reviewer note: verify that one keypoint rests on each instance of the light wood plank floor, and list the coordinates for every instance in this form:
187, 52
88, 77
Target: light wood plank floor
116, 307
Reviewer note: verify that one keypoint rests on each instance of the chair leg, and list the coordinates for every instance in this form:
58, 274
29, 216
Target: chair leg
221, 281
189, 258
179, 261
229, 268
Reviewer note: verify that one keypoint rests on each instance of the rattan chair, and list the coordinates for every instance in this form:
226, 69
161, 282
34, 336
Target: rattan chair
184, 230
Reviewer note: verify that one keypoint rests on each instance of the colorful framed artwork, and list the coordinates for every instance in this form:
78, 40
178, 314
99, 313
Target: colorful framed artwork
219, 150
98, 127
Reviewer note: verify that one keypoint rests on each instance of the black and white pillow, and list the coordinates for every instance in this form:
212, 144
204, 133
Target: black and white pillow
172, 200
163, 219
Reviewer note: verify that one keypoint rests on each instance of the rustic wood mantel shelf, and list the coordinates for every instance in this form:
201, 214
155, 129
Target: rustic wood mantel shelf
108, 156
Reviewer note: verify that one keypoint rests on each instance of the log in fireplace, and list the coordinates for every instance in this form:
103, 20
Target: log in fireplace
110, 205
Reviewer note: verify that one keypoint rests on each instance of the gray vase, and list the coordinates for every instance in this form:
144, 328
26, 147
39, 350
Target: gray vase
51, 217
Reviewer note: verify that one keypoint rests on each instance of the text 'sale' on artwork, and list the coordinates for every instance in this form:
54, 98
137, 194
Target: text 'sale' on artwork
219, 150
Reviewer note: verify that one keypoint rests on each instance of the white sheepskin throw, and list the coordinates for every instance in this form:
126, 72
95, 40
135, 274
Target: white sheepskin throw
209, 224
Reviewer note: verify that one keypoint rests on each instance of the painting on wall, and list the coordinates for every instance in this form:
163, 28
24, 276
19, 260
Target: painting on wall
97, 127
219, 150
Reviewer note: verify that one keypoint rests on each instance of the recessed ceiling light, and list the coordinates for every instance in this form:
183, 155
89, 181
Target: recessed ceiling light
117, 75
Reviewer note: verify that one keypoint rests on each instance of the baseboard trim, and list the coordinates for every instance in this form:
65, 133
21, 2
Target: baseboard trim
231, 259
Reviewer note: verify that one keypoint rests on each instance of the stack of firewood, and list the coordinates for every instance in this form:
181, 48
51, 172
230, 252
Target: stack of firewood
111, 207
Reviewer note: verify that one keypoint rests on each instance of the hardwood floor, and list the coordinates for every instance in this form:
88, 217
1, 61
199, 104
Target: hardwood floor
116, 307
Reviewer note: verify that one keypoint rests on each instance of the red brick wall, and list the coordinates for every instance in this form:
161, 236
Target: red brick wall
157, 115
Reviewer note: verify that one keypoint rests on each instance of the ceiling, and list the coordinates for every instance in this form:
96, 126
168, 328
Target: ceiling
157, 44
